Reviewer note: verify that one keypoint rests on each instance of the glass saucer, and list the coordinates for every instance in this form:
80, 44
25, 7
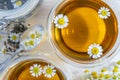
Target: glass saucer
84, 33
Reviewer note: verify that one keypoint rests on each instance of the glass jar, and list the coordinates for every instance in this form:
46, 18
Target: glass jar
19, 8
81, 34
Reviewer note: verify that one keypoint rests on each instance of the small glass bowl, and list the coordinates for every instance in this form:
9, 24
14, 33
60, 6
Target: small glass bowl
57, 39
12, 69
25, 10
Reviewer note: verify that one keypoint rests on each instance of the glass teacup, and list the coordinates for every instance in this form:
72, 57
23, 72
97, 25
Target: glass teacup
84, 33
34, 67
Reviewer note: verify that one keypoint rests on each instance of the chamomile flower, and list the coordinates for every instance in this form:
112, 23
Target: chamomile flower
49, 71
118, 63
14, 37
95, 51
94, 75
104, 71
29, 43
101, 76
36, 70
114, 77
108, 77
32, 43
87, 74
61, 21
104, 12
17, 4
35, 35
87, 71
3, 50
25, 43
115, 70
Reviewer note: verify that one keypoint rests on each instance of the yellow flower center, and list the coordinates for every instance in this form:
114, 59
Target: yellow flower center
95, 76
94, 73
31, 42
49, 71
18, 3
115, 77
116, 70
107, 76
104, 70
32, 36
95, 51
36, 70
86, 71
104, 12
61, 21
102, 75
118, 62
116, 67
14, 37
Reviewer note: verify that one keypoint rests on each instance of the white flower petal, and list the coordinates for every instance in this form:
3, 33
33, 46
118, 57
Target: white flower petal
94, 56
33, 74
60, 16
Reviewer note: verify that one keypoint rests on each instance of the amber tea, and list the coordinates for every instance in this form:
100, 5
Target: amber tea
84, 30
34, 70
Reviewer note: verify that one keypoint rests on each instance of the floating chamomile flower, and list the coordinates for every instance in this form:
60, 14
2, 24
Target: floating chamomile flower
104, 13
61, 21
49, 71
17, 4
14, 37
36, 70
3, 50
95, 51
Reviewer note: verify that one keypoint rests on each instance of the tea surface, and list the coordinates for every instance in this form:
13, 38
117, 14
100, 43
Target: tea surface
85, 27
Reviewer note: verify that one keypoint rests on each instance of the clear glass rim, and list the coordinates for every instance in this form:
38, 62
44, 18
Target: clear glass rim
94, 63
